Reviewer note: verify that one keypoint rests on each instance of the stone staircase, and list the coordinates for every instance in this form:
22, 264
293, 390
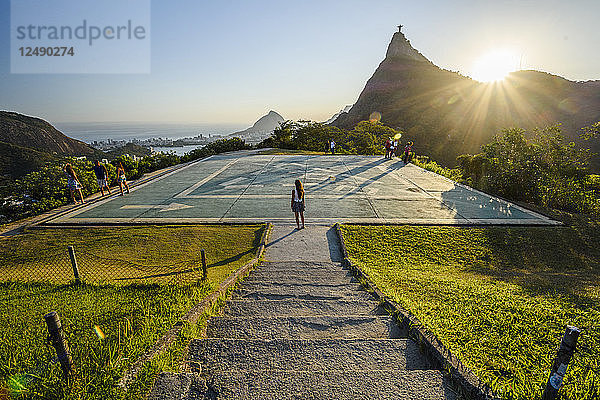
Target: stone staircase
303, 330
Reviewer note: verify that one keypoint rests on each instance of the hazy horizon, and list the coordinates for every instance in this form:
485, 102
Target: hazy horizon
216, 63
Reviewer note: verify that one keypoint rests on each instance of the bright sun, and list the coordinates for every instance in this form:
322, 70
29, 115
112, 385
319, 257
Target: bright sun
494, 66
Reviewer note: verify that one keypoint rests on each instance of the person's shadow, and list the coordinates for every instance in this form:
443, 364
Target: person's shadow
281, 238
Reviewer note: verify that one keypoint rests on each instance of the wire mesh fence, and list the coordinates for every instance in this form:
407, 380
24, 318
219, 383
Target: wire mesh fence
63, 266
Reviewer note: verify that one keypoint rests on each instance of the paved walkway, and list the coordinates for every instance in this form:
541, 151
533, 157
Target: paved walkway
250, 187
300, 327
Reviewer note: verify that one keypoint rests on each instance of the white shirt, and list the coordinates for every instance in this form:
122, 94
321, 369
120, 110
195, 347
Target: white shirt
296, 198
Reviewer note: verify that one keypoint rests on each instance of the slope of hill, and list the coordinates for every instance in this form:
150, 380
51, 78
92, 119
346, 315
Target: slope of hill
447, 114
16, 161
262, 129
337, 114
35, 133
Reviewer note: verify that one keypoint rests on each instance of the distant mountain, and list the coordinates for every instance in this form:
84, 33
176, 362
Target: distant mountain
337, 114
447, 114
26, 143
262, 129
35, 133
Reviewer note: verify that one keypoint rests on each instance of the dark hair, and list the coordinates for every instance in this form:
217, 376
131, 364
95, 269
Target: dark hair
299, 189
69, 170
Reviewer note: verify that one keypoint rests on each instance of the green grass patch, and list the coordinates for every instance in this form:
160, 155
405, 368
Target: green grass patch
498, 297
107, 326
124, 255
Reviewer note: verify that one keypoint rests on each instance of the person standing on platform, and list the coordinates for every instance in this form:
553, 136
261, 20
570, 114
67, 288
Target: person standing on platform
122, 179
101, 177
388, 146
298, 203
332, 147
73, 183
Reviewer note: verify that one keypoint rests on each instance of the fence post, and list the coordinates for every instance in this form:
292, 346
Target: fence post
59, 342
561, 362
74, 264
204, 271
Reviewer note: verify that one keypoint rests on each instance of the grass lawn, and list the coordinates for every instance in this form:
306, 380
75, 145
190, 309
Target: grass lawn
498, 297
108, 326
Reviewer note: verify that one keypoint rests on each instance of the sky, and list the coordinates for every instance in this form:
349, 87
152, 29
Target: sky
230, 62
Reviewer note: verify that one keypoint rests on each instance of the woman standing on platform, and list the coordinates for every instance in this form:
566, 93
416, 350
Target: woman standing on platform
298, 203
73, 183
122, 179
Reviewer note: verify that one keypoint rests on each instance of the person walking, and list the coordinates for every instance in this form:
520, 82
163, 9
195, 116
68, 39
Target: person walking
388, 145
298, 203
73, 183
122, 179
407, 151
395, 150
332, 147
101, 177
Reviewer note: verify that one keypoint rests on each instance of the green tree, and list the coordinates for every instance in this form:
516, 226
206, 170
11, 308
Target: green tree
369, 137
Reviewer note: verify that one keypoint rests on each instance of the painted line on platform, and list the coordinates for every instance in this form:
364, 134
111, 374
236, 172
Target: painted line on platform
358, 186
250, 184
205, 180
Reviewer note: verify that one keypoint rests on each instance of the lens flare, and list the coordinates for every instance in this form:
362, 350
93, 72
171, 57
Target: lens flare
568, 105
375, 116
453, 99
99, 332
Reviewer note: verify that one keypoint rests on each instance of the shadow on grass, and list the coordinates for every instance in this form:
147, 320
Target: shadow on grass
545, 260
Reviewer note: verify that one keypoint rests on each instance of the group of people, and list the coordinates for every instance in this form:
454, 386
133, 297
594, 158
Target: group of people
392, 148
101, 173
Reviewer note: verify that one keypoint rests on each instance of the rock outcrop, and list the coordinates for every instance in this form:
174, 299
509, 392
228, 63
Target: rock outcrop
262, 129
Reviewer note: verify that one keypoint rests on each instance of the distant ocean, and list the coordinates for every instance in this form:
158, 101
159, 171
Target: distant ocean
91, 131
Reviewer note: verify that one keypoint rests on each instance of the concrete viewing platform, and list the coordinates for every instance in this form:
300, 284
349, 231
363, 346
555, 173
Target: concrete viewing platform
253, 187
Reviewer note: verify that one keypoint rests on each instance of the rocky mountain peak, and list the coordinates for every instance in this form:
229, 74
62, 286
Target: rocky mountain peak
400, 47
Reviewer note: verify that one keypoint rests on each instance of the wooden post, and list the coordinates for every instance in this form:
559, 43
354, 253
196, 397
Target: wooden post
57, 337
561, 362
74, 264
204, 271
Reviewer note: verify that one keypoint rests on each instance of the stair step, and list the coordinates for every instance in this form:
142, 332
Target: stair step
298, 308
300, 266
287, 385
301, 277
216, 355
325, 327
299, 287
306, 292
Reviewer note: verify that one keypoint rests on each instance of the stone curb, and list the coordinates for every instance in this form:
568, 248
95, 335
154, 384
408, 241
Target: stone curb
193, 314
468, 384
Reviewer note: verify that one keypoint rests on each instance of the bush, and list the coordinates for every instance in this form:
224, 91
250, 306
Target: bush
542, 170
